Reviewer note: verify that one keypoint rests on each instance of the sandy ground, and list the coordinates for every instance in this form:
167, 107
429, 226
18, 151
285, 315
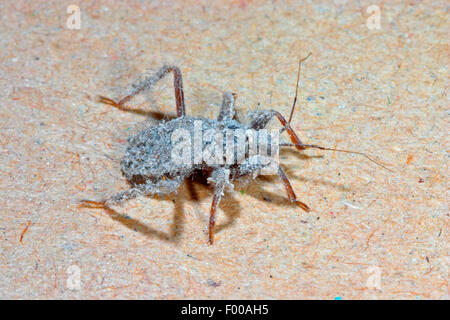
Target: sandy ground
371, 234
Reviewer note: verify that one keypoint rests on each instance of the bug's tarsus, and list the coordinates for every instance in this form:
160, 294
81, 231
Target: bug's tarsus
110, 102
97, 205
93, 204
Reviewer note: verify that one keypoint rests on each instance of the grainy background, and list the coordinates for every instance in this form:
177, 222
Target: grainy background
381, 91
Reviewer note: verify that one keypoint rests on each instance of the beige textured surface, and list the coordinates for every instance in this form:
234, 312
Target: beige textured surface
378, 91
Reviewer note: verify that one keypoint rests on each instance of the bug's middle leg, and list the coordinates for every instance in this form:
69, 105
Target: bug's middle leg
212, 216
290, 191
151, 81
254, 166
221, 179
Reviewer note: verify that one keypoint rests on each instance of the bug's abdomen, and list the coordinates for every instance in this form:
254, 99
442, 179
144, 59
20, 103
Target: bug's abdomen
149, 154
146, 154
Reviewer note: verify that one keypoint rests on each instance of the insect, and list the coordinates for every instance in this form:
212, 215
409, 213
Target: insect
147, 162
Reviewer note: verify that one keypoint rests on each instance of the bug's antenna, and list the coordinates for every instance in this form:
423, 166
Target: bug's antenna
305, 146
296, 88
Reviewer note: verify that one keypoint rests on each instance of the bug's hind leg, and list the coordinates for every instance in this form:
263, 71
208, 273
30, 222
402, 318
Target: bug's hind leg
290, 191
123, 196
160, 187
151, 81
227, 109
116, 199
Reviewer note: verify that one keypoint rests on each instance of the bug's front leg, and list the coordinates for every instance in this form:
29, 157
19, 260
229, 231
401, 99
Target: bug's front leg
262, 118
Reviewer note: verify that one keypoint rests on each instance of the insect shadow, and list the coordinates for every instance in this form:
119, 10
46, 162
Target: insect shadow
194, 189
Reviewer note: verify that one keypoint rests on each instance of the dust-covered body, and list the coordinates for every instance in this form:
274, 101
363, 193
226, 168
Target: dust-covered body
148, 162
